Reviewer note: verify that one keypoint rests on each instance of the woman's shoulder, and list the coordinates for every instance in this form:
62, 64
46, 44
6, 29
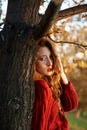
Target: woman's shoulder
43, 88
42, 83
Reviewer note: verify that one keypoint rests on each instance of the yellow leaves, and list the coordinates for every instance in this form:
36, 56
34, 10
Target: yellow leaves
82, 64
70, 35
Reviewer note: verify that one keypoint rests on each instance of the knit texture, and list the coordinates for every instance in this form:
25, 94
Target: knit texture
45, 109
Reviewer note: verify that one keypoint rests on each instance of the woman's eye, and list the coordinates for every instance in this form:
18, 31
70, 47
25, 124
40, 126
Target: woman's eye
42, 58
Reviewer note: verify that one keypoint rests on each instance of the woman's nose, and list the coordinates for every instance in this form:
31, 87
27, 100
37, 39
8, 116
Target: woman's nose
49, 62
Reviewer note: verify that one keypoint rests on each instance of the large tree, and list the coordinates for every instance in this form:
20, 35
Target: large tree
18, 42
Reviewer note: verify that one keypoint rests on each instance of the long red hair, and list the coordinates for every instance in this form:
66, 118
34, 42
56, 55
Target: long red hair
54, 80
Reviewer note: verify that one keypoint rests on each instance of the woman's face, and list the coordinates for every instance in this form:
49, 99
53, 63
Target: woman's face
44, 61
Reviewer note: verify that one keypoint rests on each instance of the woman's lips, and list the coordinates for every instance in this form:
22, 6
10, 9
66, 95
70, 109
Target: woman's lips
49, 69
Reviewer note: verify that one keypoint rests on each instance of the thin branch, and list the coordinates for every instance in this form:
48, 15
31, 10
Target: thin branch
71, 11
75, 43
47, 19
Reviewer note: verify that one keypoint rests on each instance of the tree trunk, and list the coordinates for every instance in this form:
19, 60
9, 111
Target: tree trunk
18, 46
16, 86
16, 66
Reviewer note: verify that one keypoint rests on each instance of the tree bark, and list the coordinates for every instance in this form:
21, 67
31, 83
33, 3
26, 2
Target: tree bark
16, 68
19, 40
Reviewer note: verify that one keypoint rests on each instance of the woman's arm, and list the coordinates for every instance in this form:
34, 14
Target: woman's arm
69, 98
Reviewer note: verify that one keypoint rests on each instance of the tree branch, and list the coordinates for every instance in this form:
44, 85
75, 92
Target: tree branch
75, 43
71, 11
47, 19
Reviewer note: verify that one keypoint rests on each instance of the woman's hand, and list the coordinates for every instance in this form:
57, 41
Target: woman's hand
64, 79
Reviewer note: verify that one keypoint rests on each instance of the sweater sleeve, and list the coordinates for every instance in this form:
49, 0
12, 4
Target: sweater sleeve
69, 98
41, 106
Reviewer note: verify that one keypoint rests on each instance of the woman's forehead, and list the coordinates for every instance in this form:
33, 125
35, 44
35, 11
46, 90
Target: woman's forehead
43, 51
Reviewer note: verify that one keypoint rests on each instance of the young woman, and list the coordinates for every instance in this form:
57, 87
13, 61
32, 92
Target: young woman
54, 94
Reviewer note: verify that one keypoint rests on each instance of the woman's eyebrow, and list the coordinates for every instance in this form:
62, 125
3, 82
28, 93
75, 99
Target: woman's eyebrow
41, 56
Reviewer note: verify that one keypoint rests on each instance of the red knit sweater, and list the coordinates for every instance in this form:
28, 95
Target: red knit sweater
45, 110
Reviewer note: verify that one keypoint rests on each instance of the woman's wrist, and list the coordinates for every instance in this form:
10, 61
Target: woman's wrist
64, 79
